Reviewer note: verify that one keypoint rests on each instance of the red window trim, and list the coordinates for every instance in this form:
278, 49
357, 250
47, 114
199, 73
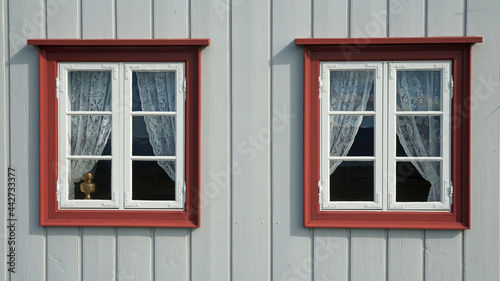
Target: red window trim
52, 51
455, 49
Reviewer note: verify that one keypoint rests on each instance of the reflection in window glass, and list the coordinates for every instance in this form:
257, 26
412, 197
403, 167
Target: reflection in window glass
352, 181
153, 180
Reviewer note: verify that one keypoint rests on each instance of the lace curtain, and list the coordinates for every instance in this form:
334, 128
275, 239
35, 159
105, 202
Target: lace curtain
349, 91
89, 91
157, 93
420, 135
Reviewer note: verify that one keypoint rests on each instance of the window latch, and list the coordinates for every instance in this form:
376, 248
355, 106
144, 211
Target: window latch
320, 189
321, 86
451, 87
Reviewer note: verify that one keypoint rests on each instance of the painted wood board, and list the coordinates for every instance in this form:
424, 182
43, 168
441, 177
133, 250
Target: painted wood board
210, 244
251, 135
63, 253
133, 19
405, 255
63, 19
6, 244
134, 254
406, 18
330, 18
368, 254
331, 254
171, 254
26, 20
171, 19
445, 17
368, 18
98, 253
290, 20
481, 242
98, 19
443, 255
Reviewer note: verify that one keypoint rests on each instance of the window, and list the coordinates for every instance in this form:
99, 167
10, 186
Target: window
386, 132
131, 139
119, 132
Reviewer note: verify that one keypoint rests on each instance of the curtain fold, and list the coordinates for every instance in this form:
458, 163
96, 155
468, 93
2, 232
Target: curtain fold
157, 93
420, 136
349, 91
89, 91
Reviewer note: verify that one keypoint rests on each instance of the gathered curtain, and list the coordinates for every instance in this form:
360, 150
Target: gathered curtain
420, 135
89, 91
349, 91
157, 93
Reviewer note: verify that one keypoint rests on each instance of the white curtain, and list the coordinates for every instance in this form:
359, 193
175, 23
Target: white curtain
157, 93
89, 91
349, 91
420, 136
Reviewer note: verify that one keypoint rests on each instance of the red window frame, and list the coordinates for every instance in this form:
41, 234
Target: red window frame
455, 49
53, 51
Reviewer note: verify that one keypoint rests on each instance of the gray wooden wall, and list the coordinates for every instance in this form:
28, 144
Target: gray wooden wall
251, 171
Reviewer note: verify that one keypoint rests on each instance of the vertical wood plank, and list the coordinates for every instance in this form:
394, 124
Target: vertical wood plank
250, 140
405, 255
443, 259
171, 254
98, 244
171, 246
405, 247
443, 255
134, 259
63, 19
368, 254
406, 18
134, 254
98, 253
445, 18
482, 241
330, 18
98, 19
331, 246
171, 19
210, 246
26, 20
133, 19
331, 254
291, 242
63, 244
6, 244
63, 254
368, 18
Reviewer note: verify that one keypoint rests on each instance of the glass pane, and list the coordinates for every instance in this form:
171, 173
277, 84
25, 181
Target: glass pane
420, 136
90, 135
352, 181
153, 135
352, 90
351, 135
153, 180
101, 179
153, 91
413, 181
418, 90
89, 90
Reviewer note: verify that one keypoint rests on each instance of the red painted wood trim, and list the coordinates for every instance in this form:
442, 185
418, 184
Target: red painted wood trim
50, 214
459, 55
398, 40
119, 42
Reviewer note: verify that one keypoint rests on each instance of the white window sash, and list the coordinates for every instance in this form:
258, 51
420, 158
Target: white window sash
121, 112
324, 184
64, 127
445, 159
